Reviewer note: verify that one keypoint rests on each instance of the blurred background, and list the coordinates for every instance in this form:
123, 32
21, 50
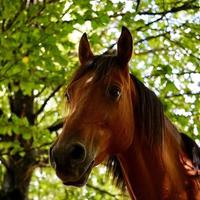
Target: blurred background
38, 55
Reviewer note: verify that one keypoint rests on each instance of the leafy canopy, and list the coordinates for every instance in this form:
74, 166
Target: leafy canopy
39, 54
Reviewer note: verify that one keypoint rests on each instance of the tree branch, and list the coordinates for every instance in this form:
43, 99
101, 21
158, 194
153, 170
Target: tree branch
140, 41
40, 92
138, 5
148, 24
177, 43
4, 162
151, 37
1, 112
11, 22
182, 94
102, 191
56, 126
47, 99
43, 163
95, 18
186, 6
149, 51
177, 74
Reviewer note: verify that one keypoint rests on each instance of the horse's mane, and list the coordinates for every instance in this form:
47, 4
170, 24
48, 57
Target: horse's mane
149, 110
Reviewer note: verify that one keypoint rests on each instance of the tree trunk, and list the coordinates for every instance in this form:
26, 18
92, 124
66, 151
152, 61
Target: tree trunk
17, 178
19, 169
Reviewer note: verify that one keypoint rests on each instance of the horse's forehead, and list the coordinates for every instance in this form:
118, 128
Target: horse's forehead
118, 75
114, 74
93, 79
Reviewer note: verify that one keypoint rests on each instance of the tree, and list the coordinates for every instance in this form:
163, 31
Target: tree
38, 56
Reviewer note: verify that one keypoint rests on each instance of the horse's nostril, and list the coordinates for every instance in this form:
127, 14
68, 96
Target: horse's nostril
77, 152
63, 159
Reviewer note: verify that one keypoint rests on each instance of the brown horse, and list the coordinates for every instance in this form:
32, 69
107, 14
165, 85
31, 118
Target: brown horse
114, 117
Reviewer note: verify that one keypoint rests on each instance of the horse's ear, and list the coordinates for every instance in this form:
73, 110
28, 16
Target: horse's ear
85, 53
124, 46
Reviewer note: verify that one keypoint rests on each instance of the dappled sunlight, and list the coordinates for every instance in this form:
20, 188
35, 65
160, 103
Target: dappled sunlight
38, 56
99, 187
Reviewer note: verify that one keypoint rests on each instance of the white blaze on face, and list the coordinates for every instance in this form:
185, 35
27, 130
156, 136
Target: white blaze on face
89, 79
81, 98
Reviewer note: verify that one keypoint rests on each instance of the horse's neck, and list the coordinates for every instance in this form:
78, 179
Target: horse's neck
142, 171
143, 167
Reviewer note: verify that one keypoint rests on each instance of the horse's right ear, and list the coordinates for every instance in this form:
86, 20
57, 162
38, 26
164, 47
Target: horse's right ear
85, 53
124, 46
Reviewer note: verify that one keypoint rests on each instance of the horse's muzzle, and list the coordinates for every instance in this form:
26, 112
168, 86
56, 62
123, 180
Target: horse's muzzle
71, 163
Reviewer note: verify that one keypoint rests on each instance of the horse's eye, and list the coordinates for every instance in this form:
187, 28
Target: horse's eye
114, 92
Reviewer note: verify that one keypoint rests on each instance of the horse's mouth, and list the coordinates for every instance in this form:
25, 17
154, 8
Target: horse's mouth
82, 180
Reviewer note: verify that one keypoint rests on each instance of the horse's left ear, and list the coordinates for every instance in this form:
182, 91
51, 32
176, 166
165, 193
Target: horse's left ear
84, 51
124, 46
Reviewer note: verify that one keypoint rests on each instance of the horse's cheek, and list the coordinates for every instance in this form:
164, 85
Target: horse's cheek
103, 139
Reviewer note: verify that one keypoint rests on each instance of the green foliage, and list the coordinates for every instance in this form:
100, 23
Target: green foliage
99, 187
38, 55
